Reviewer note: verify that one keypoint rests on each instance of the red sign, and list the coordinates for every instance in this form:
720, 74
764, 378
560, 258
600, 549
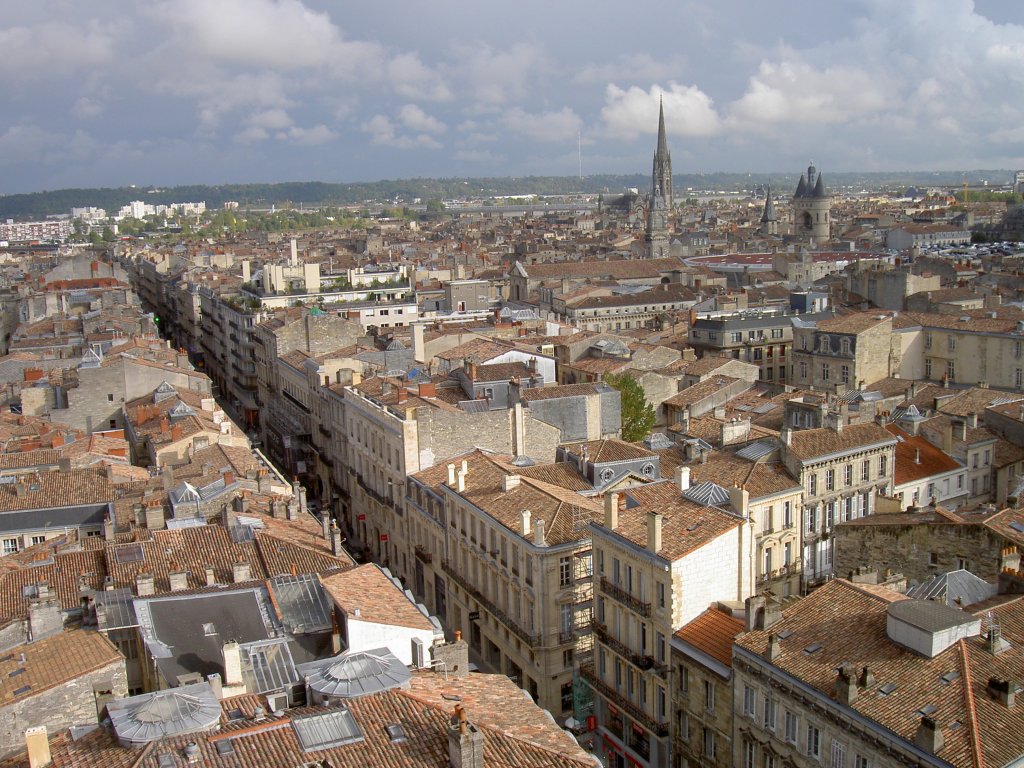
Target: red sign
360, 517
591, 723
383, 537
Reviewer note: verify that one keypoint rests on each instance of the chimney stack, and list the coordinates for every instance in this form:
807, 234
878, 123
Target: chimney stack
465, 742
929, 736
654, 521
846, 685
144, 584
683, 479
451, 475
37, 744
232, 664
241, 571
527, 525
336, 540
611, 511
508, 482
538, 534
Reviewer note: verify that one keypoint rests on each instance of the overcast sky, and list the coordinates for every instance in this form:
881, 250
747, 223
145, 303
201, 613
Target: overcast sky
110, 92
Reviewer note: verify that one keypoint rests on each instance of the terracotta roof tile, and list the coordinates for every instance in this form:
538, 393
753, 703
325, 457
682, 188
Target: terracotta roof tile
713, 633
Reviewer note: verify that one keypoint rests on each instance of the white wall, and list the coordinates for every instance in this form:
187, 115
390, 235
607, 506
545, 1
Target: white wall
366, 636
706, 576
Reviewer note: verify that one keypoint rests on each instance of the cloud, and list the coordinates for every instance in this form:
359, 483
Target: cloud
561, 125
415, 119
384, 132
35, 51
86, 107
311, 137
496, 77
793, 91
629, 113
411, 78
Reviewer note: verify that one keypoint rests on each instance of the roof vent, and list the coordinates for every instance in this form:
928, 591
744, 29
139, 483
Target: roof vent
928, 627
172, 712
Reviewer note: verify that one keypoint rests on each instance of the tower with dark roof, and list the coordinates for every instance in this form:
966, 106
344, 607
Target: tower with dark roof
660, 201
812, 206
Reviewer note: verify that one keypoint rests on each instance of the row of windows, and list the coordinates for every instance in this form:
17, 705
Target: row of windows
767, 716
847, 472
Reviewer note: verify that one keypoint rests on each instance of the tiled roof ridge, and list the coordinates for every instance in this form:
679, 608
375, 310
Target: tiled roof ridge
870, 593
428, 702
977, 756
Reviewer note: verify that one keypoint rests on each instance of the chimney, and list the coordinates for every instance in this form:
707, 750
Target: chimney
37, 744
211, 577
508, 482
144, 584
972, 420
739, 499
451, 475
683, 479
1003, 691
611, 511
960, 431
176, 433
917, 455
229, 478
452, 658
929, 736
232, 664
866, 679
754, 607
427, 389
417, 343
165, 424
179, 580
527, 526
774, 649
45, 616
241, 571
538, 534
654, 521
465, 742
786, 435
846, 685
336, 540
460, 484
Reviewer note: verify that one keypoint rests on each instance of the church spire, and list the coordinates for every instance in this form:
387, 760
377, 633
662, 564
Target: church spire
662, 139
661, 178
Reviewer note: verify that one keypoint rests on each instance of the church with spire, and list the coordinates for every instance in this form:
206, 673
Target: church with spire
656, 236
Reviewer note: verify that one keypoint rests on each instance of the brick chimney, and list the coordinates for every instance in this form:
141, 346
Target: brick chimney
465, 742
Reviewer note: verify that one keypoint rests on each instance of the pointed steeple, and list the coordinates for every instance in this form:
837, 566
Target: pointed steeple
769, 207
662, 138
661, 176
801, 187
819, 188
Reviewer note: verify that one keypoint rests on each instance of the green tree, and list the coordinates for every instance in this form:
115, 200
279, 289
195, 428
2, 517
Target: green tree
638, 415
435, 205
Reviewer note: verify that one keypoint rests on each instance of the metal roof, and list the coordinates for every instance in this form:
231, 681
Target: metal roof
954, 588
115, 609
328, 729
355, 674
707, 493
757, 450
271, 666
304, 606
171, 712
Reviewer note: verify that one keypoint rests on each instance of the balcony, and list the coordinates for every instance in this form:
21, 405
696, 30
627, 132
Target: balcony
533, 640
793, 569
423, 555
622, 596
566, 636
637, 659
588, 673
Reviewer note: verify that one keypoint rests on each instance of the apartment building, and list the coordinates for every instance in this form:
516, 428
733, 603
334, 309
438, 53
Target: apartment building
702, 693
839, 353
663, 554
762, 337
608, 310
841, 470
925, 474
226, 339
517, 571
862, 676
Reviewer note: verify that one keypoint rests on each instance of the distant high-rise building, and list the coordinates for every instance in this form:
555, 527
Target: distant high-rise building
811, 206
1018, 181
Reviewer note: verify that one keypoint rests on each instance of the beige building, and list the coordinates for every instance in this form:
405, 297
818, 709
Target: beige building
517, 574
702, 693
841, 470
663, 554
862, 676
839, 353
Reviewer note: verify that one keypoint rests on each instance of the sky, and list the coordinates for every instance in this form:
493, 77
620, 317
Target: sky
167, 92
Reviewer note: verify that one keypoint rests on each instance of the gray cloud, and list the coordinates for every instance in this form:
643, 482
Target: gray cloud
183, 91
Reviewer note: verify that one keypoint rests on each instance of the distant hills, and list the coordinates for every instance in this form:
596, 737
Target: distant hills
404, 191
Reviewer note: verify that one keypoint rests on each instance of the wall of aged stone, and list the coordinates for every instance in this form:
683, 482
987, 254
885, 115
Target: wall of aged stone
58, 708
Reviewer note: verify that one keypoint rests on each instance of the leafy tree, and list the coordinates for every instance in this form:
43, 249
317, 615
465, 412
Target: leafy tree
435, 205
638, 415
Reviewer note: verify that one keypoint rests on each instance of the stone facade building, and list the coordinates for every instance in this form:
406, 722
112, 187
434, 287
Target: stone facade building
838, 354
841, 470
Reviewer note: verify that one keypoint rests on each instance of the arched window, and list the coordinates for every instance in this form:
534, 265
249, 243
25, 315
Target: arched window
823, 344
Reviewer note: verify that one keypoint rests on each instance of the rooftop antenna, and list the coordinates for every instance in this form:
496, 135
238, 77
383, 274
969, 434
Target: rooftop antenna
579, 139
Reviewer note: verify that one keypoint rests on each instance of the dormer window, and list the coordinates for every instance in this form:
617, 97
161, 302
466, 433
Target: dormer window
823, 344
845, 345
